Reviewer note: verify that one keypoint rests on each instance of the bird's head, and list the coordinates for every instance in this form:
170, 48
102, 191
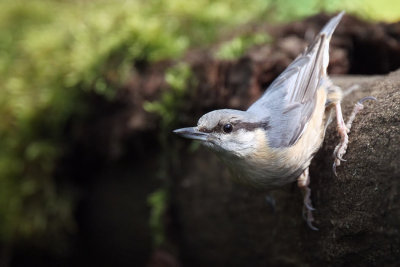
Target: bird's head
228, 131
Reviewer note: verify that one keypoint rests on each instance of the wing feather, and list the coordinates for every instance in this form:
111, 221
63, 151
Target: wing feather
290, 100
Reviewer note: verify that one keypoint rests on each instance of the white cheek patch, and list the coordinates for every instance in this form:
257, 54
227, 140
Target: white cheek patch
241, 142
243, 136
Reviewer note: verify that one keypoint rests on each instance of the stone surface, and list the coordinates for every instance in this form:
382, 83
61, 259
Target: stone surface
219, 223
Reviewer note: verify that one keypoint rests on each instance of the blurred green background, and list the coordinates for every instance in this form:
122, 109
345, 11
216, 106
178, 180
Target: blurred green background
55, 52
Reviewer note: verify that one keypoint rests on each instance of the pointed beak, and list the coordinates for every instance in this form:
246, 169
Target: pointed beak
191, 133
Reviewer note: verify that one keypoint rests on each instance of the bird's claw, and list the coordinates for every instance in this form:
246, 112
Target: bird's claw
362, 100
336, 155
339, 157
334, 168
309, 206
308, 217
340, 150
312, 227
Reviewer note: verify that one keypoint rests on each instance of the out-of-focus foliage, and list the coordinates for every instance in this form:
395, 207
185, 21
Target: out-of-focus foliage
178, 78
236, 47
384, 10
157, 202
52, 52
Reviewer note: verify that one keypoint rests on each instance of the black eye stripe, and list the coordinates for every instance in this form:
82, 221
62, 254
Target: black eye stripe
237, 125
205, 130
251, 126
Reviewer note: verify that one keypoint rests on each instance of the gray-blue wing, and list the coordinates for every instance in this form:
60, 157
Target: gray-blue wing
290, 100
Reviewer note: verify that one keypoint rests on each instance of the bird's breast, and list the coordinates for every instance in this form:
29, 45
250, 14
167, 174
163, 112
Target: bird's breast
273, 167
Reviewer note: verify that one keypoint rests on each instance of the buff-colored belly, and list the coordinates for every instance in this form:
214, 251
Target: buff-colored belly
273, 167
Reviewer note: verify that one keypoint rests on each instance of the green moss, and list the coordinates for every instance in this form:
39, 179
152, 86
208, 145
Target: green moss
158, 203
179, 78
236, 47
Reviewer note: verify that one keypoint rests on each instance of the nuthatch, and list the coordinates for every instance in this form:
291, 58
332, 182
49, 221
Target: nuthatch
273, 142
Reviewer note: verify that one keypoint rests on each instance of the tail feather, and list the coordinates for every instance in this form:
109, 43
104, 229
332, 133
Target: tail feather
330, 27
324, 38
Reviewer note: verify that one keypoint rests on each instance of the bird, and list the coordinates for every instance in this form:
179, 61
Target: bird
273, 142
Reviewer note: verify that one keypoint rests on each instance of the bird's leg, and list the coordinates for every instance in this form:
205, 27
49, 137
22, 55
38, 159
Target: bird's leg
344, 129
357, 108
303, 182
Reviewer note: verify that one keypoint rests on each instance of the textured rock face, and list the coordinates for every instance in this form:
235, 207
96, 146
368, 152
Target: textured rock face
358, 212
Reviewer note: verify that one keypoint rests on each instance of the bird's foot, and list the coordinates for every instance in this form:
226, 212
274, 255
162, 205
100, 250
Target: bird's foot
308, 208
340, 149
344, 129
303, 182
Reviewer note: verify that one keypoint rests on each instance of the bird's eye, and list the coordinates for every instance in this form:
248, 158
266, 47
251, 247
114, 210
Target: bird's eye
227, 128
